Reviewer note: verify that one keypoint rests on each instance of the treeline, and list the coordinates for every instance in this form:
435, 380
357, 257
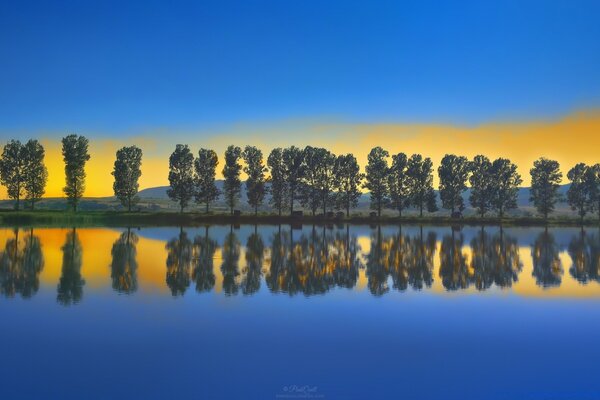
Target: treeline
313, 177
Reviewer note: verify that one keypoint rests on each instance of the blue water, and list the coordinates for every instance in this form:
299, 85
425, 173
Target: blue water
286, 342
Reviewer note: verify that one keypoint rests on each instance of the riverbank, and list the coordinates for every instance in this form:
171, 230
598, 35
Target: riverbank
113, 218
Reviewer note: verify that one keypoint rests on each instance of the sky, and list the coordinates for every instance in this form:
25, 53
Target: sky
517, 79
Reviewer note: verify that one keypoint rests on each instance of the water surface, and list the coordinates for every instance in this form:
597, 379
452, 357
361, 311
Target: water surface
309, 312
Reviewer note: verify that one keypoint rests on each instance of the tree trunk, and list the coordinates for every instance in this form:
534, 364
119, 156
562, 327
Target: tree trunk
206, 207
348, 207
421, 210
255, 210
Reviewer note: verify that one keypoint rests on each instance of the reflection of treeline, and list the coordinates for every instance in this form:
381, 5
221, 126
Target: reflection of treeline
21, 263
312, 177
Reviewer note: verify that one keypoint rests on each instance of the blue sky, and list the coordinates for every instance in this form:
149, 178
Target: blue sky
113, 67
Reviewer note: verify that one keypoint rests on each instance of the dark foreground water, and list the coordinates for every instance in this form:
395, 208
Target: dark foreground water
271, 312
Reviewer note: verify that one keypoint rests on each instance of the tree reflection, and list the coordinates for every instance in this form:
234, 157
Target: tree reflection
20, 266
252, 272
399, 261
584, 251
378, 263
179, 260
229, 268
314, 263
70, 285
420, 262
453, 263
204, 252
124, 263
547, 267
495, 260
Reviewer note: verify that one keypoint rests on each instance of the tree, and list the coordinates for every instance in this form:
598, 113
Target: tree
505, 185
293, 161
545, 181
123, 267
231, 172
255, 169
204, 252
277, 179
204, 179
453, 172
12, 170
593, 182
377, 178
481, 184
347, 179
36, 173
70, 284
179, 262
127, 172
580, 194
420, 180
181, 175
318, 178
75, 155
398, 183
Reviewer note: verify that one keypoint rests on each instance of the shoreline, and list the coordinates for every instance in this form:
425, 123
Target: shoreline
115, 218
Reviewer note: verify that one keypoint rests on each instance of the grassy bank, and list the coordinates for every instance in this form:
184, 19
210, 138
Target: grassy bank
113, 218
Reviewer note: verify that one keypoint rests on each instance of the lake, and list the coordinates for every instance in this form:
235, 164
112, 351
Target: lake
280, 312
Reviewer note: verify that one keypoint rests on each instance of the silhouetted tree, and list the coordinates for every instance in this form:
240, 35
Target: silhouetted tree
229, 268
293, 162
12, 170
593, 182
75, 155
398, 183
420, 179
318, 178
545, 181
181, 176
453, 263
232, 184
453, 172
123, 268
255, 184
580, 193
547, 267
277, 179
505, 181
20, 266
70, 285
252, 272
377, 267
377, 172
347, 182
36, 173
204, 177
203, 273
482, 186
179, 261
127, 172
584, 251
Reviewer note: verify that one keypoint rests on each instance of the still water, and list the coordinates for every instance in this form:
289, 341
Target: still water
311, 312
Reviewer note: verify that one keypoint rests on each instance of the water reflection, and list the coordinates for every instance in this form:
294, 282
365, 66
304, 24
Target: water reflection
179, 263
124, 265
547, 266
307, 261
584, 250
70, 285
20, 266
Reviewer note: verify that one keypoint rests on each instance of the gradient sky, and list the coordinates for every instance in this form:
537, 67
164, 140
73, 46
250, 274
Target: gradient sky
159, 73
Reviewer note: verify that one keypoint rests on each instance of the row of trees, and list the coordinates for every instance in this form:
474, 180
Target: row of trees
314, 177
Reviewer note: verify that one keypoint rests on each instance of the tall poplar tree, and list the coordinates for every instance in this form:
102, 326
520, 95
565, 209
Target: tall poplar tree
231, 173
293, 161
181, 176
75, 155
255, 169
453, 172
348, 180
481, 184
127, 172
277, 179
420, 180
12, 170
36, 173
580, 195
399, 183
505, 181
204, 178
545, 181
377, 172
